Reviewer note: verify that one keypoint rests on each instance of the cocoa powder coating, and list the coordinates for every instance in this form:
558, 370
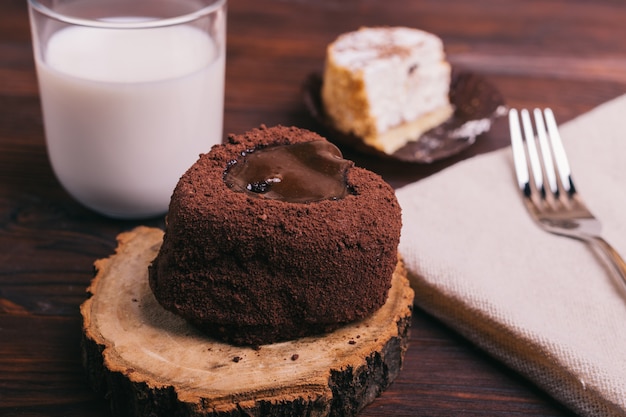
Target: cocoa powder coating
254, 271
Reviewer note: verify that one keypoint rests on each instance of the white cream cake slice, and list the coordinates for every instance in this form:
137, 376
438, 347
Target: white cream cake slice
386, 85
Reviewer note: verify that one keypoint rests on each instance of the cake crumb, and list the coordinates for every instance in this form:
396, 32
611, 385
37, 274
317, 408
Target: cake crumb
236, 359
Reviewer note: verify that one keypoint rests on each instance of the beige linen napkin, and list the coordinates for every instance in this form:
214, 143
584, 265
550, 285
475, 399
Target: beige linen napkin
540, 303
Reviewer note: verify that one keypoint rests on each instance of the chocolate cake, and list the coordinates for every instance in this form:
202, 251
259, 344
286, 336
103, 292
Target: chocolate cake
255, 252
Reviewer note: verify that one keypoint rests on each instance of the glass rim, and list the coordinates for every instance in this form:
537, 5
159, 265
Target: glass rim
143, 24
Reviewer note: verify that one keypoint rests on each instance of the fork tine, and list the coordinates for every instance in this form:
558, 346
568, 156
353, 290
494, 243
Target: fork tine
546, 154
560, 157
533, 155
519, 155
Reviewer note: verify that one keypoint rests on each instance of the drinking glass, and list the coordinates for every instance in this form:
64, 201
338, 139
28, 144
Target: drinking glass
132, 91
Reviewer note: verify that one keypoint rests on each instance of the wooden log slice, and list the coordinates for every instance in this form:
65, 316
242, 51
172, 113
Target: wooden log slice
150, 362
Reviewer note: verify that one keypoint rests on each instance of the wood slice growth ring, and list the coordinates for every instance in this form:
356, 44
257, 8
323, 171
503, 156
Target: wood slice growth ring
150, 362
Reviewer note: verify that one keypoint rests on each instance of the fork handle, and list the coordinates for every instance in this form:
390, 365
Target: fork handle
615, 261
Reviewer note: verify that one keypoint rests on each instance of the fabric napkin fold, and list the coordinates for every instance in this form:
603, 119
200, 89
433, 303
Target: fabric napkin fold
542, 304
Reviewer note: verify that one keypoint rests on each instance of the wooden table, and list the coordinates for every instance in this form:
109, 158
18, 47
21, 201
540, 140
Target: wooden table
567, 54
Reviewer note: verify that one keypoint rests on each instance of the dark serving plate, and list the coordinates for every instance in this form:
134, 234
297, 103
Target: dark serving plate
477, 104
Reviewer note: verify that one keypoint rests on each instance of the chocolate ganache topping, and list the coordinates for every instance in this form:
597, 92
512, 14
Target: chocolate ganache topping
298, 173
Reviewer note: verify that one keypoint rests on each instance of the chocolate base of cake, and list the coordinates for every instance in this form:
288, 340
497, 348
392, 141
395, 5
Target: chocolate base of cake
257, 335
254, 271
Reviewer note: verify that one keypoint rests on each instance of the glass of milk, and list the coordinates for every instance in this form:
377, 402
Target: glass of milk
132, 91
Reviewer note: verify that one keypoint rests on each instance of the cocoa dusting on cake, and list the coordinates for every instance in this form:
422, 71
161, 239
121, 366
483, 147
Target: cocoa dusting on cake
254, 271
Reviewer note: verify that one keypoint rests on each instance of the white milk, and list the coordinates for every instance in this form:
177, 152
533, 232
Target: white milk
123, 119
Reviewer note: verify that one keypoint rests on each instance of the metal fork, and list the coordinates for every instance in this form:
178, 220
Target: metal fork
549, 194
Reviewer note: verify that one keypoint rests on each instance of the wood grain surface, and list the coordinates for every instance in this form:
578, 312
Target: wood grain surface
133, 345
566, 54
